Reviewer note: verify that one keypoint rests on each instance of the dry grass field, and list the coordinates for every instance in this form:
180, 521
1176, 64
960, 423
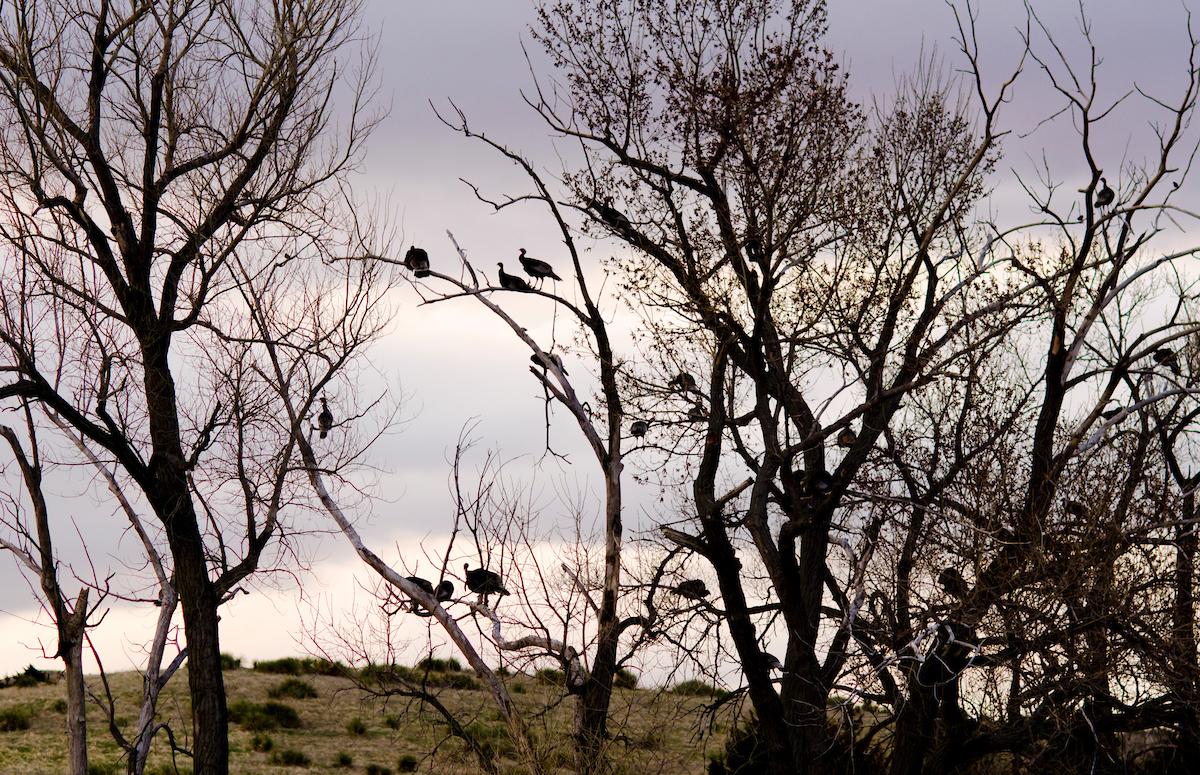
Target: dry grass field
346, 730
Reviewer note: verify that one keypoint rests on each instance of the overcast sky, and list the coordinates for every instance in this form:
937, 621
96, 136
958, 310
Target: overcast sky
456, 365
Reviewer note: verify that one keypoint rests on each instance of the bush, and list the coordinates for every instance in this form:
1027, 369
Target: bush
230, 662
29, 678
14, 719
287, 666
459, 681
375, 769
261, 743
439, 665
102, 768
294, 688
391, 722
548, 676
290, 757
408, 763
343, 759
695, 688
264, 717
356, 726
625, 679
59, 706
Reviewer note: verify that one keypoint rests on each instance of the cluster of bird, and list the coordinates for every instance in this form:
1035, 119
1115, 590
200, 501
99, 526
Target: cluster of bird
417, 261
481, 581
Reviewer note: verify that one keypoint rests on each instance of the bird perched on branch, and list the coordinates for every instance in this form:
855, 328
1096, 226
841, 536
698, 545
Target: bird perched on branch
324, 419
1075, 508
820, 483
953, 582
697, 413
511, 282
1166, 357
692, 589
536, 268
1105, 196
444, 591
683, 382
847, 437
638, 428
417, 261
484, 582
555, 358
610, 215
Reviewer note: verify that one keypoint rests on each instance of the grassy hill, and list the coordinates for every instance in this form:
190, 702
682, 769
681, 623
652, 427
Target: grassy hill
343, 729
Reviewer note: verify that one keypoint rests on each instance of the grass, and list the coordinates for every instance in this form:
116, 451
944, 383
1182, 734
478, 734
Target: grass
658, 730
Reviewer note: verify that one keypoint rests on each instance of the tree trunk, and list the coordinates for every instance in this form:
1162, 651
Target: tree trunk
76, 707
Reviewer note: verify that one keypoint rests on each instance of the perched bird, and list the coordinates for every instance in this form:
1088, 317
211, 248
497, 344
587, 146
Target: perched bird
1105, 196
610, 215
444, 591
847, 437
1166, 357
417, 260
426, 587
324, 419
1075, 508
535, 268
556, 359
511, 282
484, 582
953, 582
693, 589
683, 382
1112, 413
820, 482
773, 662
697, 413
638, 428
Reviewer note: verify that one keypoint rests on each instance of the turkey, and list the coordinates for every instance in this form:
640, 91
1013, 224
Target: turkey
511, 282
417, 260
536, 268
484, 582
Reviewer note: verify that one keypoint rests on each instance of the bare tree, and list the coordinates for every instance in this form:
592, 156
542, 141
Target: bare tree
840, 350
167, 166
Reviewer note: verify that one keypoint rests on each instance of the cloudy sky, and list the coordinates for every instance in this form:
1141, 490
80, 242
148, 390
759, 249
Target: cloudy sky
454, 363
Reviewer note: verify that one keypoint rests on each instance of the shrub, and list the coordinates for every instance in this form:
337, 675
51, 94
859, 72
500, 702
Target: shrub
439, 665
503, 671
343, 759
29, 678
375, 769
294, 688
290, 757
625, 679
14, 719
548, 676
391, 722
408, 763
287, 666
261, 743
696, 688
356, 726
459, 681
59, 706
102, 768
379, 674
264, 717
230, 662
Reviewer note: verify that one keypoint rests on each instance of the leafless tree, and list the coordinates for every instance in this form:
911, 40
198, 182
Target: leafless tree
842, 353
171, 173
